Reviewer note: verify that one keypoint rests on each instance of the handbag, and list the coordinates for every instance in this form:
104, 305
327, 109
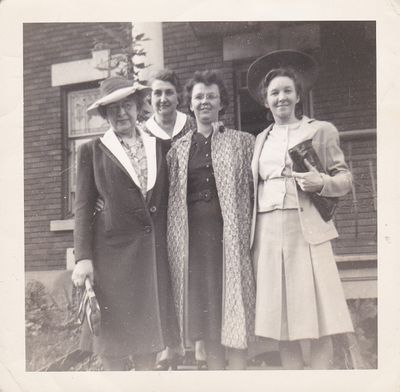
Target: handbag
326, 206
89, 308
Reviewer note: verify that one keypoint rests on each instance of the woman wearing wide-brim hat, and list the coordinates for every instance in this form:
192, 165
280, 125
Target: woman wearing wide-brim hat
299, 293
122, 247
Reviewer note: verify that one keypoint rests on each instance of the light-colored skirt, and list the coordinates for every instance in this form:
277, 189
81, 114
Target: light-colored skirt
299, 292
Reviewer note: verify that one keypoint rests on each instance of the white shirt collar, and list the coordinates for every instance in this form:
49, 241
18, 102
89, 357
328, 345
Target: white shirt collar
157, 131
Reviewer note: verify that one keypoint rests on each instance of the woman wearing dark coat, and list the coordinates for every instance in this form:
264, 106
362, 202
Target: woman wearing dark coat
122, 248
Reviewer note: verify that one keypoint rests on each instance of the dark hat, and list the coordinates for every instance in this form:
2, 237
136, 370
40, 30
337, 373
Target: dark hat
116, 88
302, 64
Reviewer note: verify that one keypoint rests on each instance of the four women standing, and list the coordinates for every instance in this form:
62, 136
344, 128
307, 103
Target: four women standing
212, 170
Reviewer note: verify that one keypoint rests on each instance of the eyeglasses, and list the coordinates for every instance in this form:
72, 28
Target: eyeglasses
209, 97
115, 107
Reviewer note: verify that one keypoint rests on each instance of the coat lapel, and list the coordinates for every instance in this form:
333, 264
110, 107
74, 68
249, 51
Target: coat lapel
112, 143
257, 152
159, 159
183, 158
150, 147
254, 168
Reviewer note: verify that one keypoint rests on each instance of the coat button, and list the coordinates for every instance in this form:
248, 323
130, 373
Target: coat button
147, 229
153, 209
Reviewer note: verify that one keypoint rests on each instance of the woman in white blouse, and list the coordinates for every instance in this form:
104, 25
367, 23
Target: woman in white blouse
299, 293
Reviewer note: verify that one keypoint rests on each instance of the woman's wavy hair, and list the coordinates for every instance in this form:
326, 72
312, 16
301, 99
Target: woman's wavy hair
167, 75
207, 77
290, 73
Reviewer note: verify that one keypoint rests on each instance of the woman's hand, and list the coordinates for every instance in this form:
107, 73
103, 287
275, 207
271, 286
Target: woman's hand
83, 269
310, 181
99, 206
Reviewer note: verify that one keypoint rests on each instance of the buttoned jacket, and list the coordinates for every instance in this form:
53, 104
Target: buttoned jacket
126, 241
337, 182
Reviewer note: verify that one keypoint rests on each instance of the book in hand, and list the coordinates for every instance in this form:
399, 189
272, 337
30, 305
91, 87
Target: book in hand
89, 308
326, 206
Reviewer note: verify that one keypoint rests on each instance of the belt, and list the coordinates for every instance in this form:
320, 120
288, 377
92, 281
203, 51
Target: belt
205, 195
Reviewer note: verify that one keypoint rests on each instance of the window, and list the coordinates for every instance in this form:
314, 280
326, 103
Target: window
81, 128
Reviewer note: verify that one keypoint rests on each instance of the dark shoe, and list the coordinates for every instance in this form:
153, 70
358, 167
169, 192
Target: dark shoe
167, 364
201, 365
162, 365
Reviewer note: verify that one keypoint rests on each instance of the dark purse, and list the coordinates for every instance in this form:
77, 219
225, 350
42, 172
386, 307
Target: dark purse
326, 206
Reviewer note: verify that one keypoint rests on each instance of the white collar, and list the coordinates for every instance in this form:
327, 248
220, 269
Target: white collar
111, 141
157, 131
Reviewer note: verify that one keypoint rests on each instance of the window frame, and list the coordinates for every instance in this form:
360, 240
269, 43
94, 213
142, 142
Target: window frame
67, 151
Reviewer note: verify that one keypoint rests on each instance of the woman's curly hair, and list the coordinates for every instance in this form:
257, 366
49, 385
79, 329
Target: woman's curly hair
207, 77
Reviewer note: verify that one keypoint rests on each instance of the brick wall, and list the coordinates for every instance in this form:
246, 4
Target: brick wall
185, 54
345, 95
356, 218
44, 139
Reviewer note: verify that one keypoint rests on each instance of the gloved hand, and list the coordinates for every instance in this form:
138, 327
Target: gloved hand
83, 268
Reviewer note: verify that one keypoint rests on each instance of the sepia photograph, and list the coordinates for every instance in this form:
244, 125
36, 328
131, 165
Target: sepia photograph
196, 260
197, 201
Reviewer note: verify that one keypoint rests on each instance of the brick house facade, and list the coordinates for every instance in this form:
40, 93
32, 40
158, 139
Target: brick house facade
345, 94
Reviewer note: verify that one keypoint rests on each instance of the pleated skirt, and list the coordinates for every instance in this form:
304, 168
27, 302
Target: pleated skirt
299, 292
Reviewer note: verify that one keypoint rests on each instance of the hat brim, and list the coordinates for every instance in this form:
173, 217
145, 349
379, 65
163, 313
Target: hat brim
304, 66
118, 95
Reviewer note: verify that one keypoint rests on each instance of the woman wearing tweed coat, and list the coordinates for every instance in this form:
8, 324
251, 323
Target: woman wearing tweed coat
209, 220
168, 124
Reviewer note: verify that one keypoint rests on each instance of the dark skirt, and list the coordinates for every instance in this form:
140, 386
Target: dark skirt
205, 270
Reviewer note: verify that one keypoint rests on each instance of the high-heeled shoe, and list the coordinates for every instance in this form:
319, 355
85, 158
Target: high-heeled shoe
168, 364
201, 365
162, 365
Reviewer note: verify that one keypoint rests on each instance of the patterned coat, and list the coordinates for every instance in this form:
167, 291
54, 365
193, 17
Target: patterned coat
231, 153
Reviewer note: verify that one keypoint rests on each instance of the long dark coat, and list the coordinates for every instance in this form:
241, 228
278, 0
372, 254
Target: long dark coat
127, 243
